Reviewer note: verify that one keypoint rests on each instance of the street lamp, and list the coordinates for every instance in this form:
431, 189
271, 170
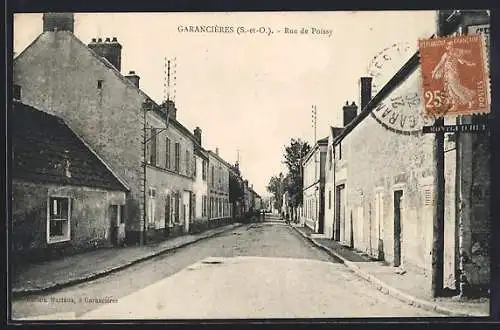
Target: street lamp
149, 105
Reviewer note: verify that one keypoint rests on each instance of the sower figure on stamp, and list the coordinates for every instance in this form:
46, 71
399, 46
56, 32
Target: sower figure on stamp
448, 70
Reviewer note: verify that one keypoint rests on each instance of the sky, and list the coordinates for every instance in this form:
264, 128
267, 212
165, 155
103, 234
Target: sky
250, 93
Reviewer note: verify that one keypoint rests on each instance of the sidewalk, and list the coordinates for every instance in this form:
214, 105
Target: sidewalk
55, 274
410, 287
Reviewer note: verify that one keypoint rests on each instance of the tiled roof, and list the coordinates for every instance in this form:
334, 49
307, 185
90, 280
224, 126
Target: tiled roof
45, 149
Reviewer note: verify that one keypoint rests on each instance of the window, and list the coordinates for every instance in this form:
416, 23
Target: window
187, 163
58, 226
177, 207
329, 199
151, 205
330, 158
211, 207
167, 153
220, 176
177, 156
202, 206
121, 213
204, 170
152, 148
194, 166
340, 150
193, 206
17, 92
212, 179
99, 84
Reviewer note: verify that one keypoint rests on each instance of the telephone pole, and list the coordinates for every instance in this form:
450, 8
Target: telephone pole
170, 79
437, 281
314, 125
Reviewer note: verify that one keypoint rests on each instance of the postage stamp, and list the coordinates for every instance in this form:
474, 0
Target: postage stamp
455, 77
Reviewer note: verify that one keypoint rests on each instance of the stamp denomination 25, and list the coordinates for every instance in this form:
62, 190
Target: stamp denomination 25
454, 76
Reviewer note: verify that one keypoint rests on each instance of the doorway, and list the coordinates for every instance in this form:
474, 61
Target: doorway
321, 213
339, 211
398, 194
166, 229
114, 222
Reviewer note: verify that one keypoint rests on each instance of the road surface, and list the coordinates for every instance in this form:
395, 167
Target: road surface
263, 270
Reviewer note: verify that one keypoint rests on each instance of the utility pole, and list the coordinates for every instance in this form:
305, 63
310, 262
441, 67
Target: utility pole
169, 86
438, 223
314, 125
147, 106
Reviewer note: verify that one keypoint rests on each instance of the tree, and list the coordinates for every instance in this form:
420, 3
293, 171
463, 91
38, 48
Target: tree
275, 186
236, 191
294, 153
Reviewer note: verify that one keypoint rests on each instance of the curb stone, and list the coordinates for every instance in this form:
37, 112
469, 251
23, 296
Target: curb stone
92, 276
385, 288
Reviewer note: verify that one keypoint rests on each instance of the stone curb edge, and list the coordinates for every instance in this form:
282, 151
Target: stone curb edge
93, 276
384, 287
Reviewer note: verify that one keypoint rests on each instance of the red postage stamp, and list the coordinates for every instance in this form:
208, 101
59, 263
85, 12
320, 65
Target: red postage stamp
455, 77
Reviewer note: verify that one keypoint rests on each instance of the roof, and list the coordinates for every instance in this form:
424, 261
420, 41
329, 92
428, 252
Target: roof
335, 131
323, 141
123, 79
44, 147
410, 66
220, 159
398, 78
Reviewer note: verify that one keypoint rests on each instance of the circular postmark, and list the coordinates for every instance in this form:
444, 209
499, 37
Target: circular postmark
402, 110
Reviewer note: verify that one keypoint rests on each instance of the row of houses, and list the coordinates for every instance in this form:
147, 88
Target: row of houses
96, 162
375, 188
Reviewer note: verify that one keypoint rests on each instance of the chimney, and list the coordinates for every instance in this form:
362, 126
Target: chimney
111, 50
197, 135
58, 22
217, 150
366, 91
168, 106
134, 78
350, 112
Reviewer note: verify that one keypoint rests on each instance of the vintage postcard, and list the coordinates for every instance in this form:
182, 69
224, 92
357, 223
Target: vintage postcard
250, 165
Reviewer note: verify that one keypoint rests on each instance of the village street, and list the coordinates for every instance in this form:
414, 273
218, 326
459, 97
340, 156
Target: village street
294, 279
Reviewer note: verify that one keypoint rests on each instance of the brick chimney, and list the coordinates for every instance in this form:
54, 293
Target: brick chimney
110, 49
197, 135
133, 77
58, 22
366, 91
350, 112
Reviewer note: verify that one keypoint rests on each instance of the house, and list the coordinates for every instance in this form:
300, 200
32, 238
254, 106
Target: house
258, 202
200, 185
314, 186
143, 142
386, 183
236, 191
247, 198
170, 174
65, 198
329, 183
218, 188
